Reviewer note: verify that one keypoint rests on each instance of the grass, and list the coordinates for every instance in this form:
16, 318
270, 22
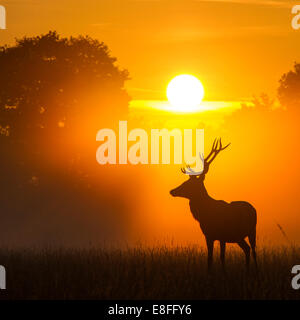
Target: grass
146, 273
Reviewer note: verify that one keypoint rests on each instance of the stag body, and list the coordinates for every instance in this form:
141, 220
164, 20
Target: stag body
219, 220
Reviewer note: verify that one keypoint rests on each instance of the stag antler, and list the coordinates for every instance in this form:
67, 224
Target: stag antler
188, 170
217, 147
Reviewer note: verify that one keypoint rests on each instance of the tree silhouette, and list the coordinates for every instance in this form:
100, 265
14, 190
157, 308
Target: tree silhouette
55, 94
46, 82
289, 88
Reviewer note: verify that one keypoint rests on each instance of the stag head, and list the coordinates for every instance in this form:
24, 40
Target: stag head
190, 188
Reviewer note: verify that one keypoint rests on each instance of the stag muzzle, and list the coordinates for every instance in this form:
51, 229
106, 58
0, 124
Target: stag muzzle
173, 192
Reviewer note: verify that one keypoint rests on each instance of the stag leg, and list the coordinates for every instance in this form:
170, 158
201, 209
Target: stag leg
245, 247
210, 250
254, 257
222, 254
252, 240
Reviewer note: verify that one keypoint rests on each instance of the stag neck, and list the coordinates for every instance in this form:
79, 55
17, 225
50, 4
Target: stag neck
201, 194
198, 203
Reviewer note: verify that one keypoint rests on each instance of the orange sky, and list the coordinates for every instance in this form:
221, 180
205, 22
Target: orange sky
227, 44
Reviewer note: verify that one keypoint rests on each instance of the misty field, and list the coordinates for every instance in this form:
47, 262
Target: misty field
152, 273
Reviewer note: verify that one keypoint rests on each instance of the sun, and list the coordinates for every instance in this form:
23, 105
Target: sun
185, 93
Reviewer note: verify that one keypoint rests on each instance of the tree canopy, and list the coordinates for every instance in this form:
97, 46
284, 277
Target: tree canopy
46, 82
289, 88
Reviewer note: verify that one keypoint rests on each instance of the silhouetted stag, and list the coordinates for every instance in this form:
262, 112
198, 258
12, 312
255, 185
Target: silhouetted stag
219, 220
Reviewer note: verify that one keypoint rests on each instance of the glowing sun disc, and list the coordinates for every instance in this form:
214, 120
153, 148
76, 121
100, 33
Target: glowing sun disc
185, 92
